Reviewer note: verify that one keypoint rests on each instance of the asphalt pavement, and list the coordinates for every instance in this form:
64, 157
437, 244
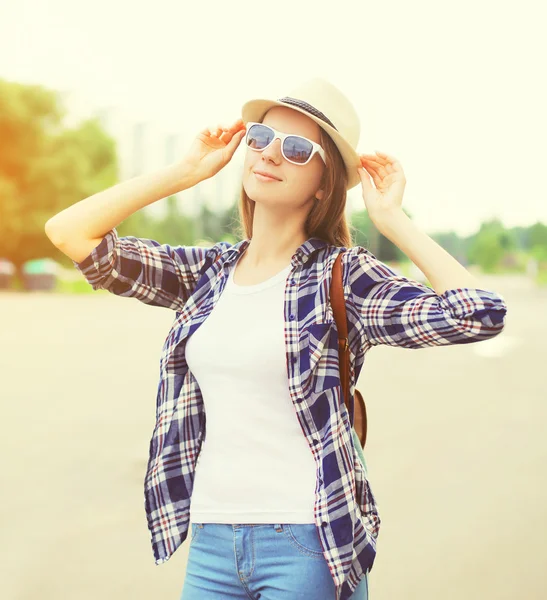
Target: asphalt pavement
456, 451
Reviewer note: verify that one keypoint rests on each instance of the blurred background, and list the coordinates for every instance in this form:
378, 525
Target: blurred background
93, 94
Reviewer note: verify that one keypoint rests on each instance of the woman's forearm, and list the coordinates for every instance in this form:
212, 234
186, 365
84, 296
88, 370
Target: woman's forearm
94, 216
442, 270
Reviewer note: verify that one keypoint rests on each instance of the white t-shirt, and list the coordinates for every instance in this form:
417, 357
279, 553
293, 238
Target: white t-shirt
237, 355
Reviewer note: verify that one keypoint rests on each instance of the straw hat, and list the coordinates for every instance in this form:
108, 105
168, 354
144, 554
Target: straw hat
323, 102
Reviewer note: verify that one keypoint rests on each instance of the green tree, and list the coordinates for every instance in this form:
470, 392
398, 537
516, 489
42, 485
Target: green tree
44, 167
229, 223
489, 245
537, 235
173, 228
366, 234
537, 241
453, 244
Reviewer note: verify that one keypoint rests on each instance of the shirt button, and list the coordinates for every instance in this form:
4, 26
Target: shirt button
291, 317
315, 441
300, 399
294, 359
324, 524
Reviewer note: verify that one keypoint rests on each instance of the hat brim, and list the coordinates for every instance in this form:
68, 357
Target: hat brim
254, 110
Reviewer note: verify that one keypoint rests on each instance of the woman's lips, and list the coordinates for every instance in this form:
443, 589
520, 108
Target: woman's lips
264, 178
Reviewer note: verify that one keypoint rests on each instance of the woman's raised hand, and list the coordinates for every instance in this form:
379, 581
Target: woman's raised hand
214, 147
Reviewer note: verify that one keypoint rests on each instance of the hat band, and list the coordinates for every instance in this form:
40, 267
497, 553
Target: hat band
307, 107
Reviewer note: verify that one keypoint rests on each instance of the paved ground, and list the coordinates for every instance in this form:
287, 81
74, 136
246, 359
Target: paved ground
457, 455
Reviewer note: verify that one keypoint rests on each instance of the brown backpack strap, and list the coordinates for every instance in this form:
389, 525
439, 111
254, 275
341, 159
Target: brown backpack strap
358, 418
338, 304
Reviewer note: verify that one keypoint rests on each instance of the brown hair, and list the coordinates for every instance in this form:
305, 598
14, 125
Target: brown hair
327, 217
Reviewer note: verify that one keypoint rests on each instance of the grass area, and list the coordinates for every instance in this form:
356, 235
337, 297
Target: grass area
541, 278
74, 287
81, 286
62, 286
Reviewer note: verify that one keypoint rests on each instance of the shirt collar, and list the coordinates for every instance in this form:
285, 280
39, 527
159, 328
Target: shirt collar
301, 254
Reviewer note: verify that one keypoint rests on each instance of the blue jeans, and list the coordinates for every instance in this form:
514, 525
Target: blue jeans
259, 562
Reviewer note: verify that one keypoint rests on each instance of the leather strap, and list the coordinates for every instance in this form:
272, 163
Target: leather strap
338, 304
357, 413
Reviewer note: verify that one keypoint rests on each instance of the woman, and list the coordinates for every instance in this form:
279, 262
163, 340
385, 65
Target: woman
276, 507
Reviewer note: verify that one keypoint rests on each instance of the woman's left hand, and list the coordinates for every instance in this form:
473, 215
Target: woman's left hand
386, 198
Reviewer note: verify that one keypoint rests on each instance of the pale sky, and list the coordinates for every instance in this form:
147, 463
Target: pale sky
455, 91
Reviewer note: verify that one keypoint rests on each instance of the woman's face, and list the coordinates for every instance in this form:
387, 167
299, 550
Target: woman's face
298, 184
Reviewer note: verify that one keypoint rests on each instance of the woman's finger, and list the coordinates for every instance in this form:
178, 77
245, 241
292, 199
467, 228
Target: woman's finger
370, 166
226, 136
373, 174
235, 126
370, 161
382, 168
389, 159
380, 158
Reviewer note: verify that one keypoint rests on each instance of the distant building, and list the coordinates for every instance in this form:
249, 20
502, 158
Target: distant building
144, 146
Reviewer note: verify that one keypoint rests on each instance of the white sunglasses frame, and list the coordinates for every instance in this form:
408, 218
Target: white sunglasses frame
279, 134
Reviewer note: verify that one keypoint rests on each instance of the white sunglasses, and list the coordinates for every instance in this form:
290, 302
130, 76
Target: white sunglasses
295, 148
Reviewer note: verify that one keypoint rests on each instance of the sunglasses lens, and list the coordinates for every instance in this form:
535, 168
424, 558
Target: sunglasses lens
259, 136
297, 149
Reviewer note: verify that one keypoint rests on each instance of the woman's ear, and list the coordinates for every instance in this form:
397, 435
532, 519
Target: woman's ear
319, 194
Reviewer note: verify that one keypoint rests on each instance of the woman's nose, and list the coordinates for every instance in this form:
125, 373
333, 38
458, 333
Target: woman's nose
273, 151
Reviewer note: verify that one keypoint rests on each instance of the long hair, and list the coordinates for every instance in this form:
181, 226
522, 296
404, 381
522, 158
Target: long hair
327, 217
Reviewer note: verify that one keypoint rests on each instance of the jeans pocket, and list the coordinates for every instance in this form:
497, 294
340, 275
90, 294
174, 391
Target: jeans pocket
196, 528
304, 537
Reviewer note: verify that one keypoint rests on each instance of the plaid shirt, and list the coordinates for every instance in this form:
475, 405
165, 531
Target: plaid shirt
383, 308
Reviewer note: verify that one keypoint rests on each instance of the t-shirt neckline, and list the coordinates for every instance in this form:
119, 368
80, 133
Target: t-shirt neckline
257, 287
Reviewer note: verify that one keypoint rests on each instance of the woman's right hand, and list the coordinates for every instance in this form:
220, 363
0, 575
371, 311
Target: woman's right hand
213, 148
